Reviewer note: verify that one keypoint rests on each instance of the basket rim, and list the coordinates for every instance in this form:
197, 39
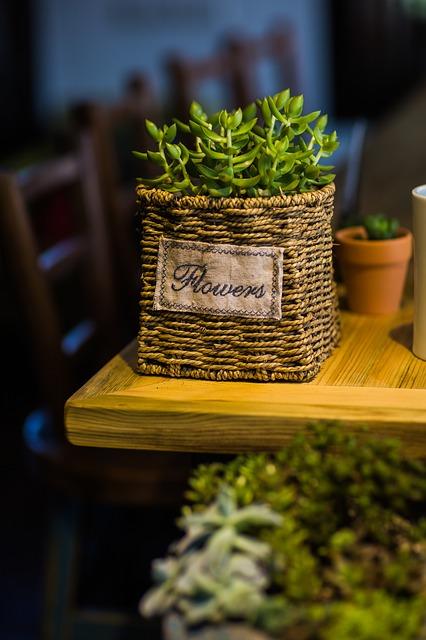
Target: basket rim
177, 201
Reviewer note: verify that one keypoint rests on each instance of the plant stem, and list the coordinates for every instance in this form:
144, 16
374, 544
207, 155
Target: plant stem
228, 146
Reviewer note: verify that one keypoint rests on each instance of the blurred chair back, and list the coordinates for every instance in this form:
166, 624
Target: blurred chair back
237, 69
60, 344
240, 69
116, 130
86, 476
277, 48
189, 79
349, 169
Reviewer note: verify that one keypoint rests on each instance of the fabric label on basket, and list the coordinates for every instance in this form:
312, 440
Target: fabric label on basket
219, 279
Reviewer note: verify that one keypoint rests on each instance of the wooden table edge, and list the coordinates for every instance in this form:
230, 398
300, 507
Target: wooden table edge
231, 429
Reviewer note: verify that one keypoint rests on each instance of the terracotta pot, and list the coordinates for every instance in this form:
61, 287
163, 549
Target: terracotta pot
374, 271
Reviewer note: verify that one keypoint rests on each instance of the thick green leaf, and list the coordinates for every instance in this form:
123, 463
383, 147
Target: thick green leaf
282, 98
310, 117
196, 129
155, 181
279, 116
234, 120
223, 118
266, 112
322, 122
299, 125
174, 150
197, 111
207, 172
140, 155
244, 128
257, 139
212, 135
260, 131
290, 134
198, 155
172, 188
317, 133
289, 185
295, 105
246, 183
214, 119
281, 146
184, 153
242, 166
249, 155
183, 184
238, 144
286, 167
312, 171
330, 144
156, 157
220, 192
182, 125
211, 153
326, 179
296, 155
249, 112
153, 130
170, 133
226, 175
264, 165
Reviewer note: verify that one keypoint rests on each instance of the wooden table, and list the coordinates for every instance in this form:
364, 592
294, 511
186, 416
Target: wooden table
371, 378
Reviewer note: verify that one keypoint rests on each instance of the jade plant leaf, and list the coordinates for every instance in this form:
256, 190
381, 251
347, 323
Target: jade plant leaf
244, 152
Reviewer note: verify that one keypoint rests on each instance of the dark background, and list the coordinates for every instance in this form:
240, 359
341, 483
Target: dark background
358, 58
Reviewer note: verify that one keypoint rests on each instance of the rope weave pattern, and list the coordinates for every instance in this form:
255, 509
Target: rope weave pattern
209, 347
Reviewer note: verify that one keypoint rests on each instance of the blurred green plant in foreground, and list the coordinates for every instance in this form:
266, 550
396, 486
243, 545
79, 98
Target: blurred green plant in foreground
325, 540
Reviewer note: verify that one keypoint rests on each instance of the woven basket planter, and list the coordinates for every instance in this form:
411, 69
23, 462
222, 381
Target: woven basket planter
197, 345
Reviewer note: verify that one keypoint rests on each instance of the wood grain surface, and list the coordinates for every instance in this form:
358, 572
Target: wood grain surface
372, 378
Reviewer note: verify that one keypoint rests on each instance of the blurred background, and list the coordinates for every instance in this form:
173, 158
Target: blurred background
78, 79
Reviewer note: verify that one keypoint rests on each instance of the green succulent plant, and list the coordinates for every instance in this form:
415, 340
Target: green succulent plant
267, 148
381, 227
347, 548
217, 570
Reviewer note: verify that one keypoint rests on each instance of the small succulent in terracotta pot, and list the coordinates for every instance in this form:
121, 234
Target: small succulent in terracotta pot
374, 261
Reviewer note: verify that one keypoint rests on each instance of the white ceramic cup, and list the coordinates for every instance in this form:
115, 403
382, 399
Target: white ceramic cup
419, 232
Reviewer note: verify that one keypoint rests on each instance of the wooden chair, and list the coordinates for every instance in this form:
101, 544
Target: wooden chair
279, 48
83, 477
234, 69
117, 129
239, 68
188, 77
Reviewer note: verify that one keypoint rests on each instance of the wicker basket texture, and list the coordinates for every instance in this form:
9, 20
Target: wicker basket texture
203, 346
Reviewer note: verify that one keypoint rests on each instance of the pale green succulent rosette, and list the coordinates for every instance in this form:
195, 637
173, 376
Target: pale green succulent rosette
217, 570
